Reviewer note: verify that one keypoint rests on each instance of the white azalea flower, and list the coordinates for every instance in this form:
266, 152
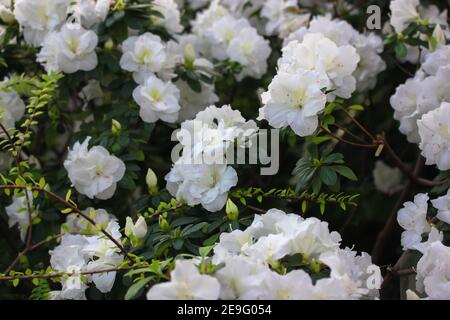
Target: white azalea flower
157, 100
251, 51
75, 224
273, 11
222, 32
18, 214
403, 12
404, 102
136, 231
12, 107
435, 136
443, 205
186, 283
295, 285
295, 100
69, 50
5, 12
143, 55
433, 272
270, 248
92, 11
38, 17
437, 59
94, 172
318, 53
241, 278
203, 184
313, 237
169, 9
387, 179
412, 218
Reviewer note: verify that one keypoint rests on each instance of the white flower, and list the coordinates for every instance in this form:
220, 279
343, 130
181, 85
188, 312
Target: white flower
68, 257
94, 172
436, 59
403, 12
273, 11
17, 213
222, 32
12, 107
203, 184
232, 244
295, 100
313, 237
370, 64
169, 9
404, 102
351, 269
434, 131
5, 11
205, 19
69, 50
443, 206
270, 248
435, 90
433, 272
38, 17
251, 51
142, 55
93, 11
76, 224
387, 179
318, 53
192, 102
413, 218
241, 278
186, 283
294, 285
157, 100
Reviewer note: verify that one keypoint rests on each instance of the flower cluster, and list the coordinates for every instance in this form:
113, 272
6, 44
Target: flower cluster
319, 62
433, 266
249, 264
201, 175
84, 248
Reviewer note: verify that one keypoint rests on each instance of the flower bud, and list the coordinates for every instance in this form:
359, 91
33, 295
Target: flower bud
189, 54
163, 224
232, 210
152, 182
116, 127
438, 35
136, 232
109, 44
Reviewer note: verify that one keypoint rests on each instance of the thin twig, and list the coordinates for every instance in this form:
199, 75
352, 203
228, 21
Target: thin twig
370, 146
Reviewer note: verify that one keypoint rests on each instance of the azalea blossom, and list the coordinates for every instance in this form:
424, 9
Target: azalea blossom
435, 136
186, 283
93, 172
157, 100
387, 179
12, 107
295, 100
19, 215
403, 12
69, 50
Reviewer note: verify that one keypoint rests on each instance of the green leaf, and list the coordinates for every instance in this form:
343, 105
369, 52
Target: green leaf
137, 288
400, 50
328, 176
346, 172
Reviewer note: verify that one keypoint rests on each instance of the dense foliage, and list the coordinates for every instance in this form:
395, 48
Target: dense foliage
97, 96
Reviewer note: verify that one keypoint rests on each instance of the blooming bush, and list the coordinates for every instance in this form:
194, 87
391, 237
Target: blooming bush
224, 149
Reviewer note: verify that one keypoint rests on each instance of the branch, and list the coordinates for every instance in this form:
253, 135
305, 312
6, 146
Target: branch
74, 208
413, 176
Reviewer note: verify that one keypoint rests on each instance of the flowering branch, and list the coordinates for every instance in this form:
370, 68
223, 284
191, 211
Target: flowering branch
71, 206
